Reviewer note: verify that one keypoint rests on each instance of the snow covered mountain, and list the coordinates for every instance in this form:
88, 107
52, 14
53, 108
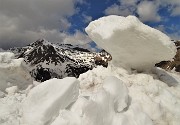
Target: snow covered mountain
45, 60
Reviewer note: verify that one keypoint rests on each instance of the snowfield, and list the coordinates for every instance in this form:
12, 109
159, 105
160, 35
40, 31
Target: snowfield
114, 95
131, 43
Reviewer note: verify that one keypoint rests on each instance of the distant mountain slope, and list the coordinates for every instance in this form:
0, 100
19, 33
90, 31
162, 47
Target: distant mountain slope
45, 60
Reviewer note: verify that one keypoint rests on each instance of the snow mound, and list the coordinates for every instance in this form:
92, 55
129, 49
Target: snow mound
11, 109
109, 105
131, 43
12, 72
67, 118
44, 101
118, 91
151, 100
107, 96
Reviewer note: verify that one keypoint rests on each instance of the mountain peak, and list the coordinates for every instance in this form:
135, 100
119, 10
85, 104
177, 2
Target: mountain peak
45, 60
39, 42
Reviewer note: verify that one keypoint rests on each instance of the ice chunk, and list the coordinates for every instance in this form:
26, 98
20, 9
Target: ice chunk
118, 90
131, 43
12, 90
44, 101
12, 72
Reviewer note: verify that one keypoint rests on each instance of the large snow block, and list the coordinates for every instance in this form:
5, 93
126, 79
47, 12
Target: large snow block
131, 43
12, 72
44, 101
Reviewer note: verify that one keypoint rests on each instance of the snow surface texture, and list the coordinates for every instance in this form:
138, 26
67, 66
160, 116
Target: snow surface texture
44, 101
131, 43
12, 72
142, 99
149, 93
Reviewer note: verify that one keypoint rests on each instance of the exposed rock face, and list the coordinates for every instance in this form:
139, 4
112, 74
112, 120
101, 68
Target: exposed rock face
45, 60
169, 65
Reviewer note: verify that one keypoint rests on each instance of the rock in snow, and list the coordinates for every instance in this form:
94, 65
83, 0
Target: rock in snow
44, 101
131, 43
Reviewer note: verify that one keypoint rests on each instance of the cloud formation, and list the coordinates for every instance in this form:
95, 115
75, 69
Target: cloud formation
24, 21
147, 10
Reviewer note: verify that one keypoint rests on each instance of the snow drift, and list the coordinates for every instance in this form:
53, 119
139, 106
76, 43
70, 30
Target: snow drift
131, 43
12, 72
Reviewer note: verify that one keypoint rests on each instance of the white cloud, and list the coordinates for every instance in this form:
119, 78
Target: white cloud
148, 11
161, 28
173, 5
24, 21
128, 2
87, 18
174, 35
119, 10
176, 11
77, 38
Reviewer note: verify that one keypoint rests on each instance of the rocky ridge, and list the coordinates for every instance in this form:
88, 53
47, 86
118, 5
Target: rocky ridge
45, 60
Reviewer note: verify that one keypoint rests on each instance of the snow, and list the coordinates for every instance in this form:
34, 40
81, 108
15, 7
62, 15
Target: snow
11, 111
106, 96
67, 118
45, 100
157, 101
12, 72
131, 43
118, 91
11, 90
2, 94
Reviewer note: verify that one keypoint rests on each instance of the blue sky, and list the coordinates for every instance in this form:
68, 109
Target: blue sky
64, 21
94, 9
